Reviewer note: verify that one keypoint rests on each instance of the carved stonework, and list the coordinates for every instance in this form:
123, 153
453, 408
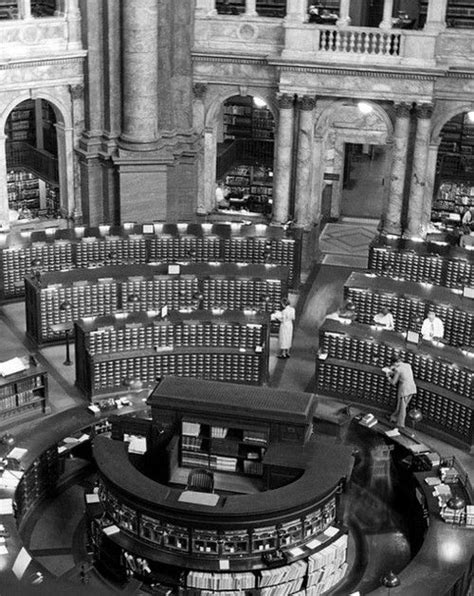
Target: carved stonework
307, 103
199, 90
402, 110
285, 101
77, 91
425, 110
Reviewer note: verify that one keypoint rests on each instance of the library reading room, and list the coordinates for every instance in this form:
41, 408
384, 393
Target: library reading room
236, 297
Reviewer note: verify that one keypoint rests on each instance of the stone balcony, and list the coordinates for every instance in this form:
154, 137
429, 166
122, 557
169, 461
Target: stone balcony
37, 38
307, 43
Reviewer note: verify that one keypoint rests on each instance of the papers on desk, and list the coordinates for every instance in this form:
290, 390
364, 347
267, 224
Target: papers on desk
92, 498
110, 530
6, 506
10, 478
418, 448
296, 551
137, 445
224, 564
432, 481
198, 498
17, 453
12, 366
393, 432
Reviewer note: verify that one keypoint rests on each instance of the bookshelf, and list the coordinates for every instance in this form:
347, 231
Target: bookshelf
287, 538
77, 248
410, 301
254, 184
452, 199
434, 262
23, 395
20, 125
131, 288
109, 349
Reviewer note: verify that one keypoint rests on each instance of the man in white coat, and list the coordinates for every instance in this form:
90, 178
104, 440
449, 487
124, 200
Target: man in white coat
286, 316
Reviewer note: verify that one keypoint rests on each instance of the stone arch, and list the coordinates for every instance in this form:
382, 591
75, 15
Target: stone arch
444, 116
338, 122
214, 99
57, 98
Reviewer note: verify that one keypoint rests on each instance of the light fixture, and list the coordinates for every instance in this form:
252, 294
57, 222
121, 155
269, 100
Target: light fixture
470, 116
259, 103
364, 107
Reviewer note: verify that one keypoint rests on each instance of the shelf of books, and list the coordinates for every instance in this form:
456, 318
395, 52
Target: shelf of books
55, 300
144, 346
53, 249
23, 390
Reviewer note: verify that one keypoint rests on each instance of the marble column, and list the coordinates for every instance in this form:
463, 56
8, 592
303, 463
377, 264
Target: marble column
4, 219
387, 15
344, 19
250, 8
24, 9
297, 11
66, 169
73, 16
418, 177
393, 221
205, 8
140, 74
304, 162
430, 178
283, 162
436, 16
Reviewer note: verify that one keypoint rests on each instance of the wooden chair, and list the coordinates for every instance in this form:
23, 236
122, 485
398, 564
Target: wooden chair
201, 480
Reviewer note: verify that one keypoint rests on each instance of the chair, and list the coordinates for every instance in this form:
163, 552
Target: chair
201, 480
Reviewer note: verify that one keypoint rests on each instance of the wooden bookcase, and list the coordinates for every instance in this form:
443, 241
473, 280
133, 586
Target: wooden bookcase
23, 395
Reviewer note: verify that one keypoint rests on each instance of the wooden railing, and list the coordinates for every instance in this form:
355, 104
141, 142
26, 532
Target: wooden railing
40, 162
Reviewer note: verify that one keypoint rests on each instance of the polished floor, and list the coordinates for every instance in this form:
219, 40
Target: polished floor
56, 537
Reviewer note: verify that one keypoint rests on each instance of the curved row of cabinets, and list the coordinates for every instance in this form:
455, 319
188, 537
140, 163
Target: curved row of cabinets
349, 366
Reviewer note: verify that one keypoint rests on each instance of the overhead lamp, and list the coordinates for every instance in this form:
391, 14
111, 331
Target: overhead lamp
259, 103
364, 107
470, 116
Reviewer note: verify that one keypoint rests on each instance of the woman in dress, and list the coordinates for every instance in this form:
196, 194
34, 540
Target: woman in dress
286, 316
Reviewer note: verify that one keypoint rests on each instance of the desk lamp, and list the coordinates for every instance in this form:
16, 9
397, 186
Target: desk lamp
390, 580
66, 307
457, 504
415, 415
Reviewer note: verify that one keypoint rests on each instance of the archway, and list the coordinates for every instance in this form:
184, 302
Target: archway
350, 131
454, 180
245, 128
32, 160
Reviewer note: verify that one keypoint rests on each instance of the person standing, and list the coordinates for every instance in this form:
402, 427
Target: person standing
432, 327
286, 316
400, 374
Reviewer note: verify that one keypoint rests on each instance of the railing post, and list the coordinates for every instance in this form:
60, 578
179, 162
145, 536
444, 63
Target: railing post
24, 9
296, 11
344, 19
436, 16
250, 8
387, 15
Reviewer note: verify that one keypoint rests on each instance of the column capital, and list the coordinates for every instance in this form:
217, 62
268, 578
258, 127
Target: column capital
306, 103
199, 90
285, 101
402, 110
424, 110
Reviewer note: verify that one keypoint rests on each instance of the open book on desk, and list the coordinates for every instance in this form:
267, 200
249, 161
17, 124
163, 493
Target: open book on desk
12, 366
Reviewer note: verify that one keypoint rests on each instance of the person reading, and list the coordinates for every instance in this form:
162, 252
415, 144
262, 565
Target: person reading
384, 318
432, 327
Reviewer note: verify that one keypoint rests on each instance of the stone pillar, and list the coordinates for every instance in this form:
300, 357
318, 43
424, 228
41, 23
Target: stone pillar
344, 19
140, 74
418, 178
250, 8
436, 16
39, 123
387, 15
393, 221
304, 162
4, 218
283, 162
24, 9
205, 8
66, 169
199, 92
297, 11
73, 17
429, 183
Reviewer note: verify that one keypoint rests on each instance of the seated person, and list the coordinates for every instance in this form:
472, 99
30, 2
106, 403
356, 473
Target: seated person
467, 238
432, 327
314, 12
345, 314
24, 212
221, 198
385, 318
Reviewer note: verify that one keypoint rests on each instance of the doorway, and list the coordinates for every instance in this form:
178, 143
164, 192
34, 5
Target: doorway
364, 180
